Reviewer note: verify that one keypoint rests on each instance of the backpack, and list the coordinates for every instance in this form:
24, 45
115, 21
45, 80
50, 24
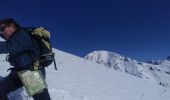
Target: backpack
41, 40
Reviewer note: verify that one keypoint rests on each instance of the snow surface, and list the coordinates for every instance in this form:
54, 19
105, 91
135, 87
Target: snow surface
80, 79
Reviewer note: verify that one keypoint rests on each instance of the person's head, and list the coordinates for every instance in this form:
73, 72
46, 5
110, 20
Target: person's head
7, 27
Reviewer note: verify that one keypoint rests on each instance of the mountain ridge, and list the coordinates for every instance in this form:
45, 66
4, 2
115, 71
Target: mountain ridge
155, 71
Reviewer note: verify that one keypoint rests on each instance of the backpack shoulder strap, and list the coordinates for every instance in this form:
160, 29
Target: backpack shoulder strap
28, 29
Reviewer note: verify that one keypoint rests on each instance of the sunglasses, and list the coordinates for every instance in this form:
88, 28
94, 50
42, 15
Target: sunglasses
2, 29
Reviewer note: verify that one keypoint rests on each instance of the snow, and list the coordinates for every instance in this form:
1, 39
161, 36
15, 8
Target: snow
81, 79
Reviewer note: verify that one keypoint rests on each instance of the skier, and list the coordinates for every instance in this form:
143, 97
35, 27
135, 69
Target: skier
18, 45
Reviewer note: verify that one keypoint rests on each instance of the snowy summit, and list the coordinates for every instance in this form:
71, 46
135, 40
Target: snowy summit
155, 71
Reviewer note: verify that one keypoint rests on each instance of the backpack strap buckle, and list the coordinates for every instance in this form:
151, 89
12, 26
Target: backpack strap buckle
35, 65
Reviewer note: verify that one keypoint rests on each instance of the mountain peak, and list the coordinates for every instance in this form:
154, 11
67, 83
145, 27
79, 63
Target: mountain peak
102, 55
154, 71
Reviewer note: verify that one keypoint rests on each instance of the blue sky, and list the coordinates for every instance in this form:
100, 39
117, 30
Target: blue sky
139, 29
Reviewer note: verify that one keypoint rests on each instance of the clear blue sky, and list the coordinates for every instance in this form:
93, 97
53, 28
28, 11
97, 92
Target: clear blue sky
139, 29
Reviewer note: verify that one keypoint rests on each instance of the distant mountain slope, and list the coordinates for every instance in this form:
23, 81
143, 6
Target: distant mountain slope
157, 72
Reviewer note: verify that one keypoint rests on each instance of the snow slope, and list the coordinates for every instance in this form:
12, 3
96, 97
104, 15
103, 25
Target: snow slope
80, 79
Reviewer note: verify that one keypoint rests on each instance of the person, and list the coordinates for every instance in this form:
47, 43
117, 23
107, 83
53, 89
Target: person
19, 46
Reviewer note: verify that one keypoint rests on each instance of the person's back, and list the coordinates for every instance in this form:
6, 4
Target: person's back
21, 56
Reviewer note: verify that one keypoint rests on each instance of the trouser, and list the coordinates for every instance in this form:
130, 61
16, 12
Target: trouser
12, 83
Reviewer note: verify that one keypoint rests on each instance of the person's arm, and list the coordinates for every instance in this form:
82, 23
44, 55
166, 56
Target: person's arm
3, 47
18, 43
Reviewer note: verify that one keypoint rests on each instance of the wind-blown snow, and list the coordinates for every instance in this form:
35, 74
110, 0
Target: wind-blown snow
80, 79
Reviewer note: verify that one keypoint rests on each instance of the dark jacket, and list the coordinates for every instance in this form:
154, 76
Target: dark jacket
20, 48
